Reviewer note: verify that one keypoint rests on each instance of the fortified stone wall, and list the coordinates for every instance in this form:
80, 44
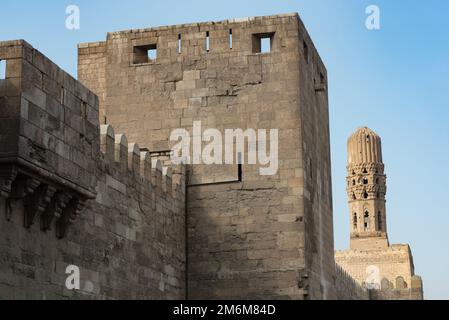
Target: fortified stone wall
400, 291
73, 193
392, 261
347, 288
316, 164
94, 72
394, 265
248, 235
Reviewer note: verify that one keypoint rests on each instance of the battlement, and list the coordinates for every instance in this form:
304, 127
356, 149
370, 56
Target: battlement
53, 151
347, 288
400, 249
396, 289
64, 155
240, 21
393, 265
58, 168
257, 73
128, 165
212, 37
164, 59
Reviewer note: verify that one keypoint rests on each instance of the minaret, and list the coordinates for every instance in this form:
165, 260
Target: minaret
366, 187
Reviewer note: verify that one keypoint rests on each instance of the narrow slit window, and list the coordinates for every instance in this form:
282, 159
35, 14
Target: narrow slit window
2, 69
239, 167
179, 43
62, 95
379, 221
306, 51
207, 41
230, 39
263, 42
354, 220
310, 168
83, 110
144, 54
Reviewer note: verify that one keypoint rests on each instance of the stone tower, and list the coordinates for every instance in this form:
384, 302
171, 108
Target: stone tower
386, 271
248, 235
366, 187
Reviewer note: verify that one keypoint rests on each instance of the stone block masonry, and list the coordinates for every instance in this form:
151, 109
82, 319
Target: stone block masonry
386, 269
395, 269
48, 134
347, 288
75, 193
248, 235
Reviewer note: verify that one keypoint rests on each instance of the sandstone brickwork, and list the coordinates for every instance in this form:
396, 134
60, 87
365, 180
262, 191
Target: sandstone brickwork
347, 288
87, 180
75, 193
258, 236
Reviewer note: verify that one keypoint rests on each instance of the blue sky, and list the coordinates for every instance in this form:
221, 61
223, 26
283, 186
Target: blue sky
394, 80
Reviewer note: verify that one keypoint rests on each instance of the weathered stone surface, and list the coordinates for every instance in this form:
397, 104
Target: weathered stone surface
246, 238
387, 270
139, 227
59, 174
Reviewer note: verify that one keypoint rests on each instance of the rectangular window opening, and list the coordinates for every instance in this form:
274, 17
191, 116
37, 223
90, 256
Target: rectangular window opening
263, 42
230, 39
2, 69
207, 41
144, 54
179, 43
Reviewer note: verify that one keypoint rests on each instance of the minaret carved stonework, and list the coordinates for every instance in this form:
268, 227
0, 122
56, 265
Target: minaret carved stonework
366, 188
385, 270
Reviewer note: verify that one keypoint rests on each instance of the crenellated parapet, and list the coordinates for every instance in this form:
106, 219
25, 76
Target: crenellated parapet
388, 273
54, 153
347, 287
126, 163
